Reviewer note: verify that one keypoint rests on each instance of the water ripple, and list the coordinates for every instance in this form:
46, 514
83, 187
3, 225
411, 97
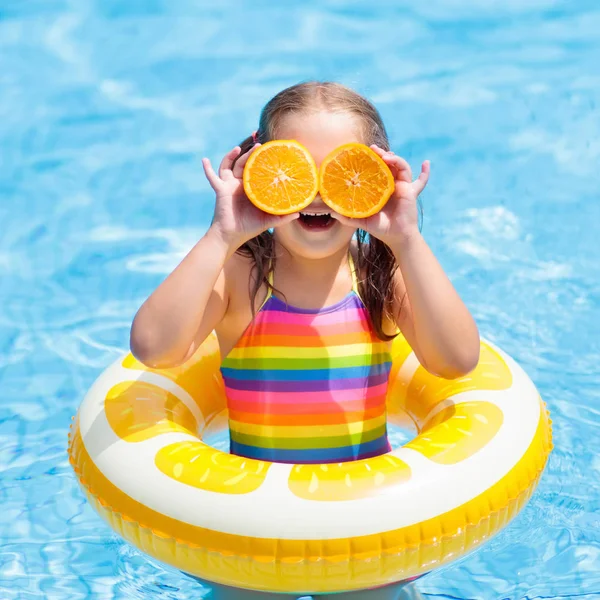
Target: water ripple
107, 108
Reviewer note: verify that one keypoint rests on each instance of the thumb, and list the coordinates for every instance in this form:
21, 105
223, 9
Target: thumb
349, 222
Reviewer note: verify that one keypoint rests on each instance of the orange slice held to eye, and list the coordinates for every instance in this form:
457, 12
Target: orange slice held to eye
281, 177
355, 181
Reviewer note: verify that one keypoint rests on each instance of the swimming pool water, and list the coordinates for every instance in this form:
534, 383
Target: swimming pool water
106, 108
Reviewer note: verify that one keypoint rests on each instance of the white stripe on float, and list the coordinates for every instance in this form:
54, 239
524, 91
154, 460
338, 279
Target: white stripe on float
409, 368
168, 384
116, 374
273, 511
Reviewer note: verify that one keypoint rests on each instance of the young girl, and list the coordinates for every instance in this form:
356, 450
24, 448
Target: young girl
305, 305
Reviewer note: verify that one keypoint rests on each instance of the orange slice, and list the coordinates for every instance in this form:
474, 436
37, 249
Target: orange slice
351, 480
458, 432
354, 181
201, 466
281, 177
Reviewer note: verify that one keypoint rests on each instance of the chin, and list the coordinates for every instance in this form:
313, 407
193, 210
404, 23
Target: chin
314, 244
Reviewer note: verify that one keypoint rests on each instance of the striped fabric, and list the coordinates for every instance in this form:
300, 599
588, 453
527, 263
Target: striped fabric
308, 386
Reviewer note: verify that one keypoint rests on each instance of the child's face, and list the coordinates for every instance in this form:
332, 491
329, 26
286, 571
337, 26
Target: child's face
320, 133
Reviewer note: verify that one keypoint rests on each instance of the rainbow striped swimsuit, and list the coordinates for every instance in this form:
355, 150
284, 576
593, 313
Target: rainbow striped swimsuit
308, 386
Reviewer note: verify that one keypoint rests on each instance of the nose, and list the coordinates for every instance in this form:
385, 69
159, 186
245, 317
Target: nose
318, 202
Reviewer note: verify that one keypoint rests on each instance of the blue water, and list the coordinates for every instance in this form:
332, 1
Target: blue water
106, 108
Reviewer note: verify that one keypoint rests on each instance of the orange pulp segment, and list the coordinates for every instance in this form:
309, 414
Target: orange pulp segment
355, 181
281, 177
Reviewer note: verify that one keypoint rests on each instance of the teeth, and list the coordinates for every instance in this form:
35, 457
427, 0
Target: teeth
307, 214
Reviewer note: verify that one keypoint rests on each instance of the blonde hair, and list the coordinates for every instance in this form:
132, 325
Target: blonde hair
313, 96
375, 260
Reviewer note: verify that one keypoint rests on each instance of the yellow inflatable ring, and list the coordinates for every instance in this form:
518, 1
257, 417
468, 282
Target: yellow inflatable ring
136, 448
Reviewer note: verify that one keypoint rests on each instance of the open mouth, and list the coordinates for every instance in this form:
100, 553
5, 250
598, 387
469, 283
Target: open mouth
318, 221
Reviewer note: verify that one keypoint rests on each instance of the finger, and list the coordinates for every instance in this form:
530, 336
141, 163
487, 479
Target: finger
212, 177
378, 150
399, 167
349, 222
227, 162
238, 168
283, 219
421, 181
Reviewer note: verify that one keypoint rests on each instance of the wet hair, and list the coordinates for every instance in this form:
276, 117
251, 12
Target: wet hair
376, 262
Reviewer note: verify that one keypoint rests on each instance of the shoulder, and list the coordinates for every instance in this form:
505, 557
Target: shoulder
369, 255
238, 271
238, 266
240, 274
397, 299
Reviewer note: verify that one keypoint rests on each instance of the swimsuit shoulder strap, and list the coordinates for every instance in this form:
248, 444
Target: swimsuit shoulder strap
269, 288
355, 285
352, 272
354, 275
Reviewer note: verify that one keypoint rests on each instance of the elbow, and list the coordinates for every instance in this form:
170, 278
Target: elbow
463, 361
147, 349
465, 357
142, 346
461, 365
460, 362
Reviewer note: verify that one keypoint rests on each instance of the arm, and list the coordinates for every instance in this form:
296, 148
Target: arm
427, 308
185, 308
193, 299
430, 313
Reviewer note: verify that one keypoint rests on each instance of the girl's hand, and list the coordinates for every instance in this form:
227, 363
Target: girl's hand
236, 218
399, 218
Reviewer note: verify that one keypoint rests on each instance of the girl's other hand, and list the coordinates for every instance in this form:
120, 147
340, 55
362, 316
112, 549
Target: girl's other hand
399, 218
236, 219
